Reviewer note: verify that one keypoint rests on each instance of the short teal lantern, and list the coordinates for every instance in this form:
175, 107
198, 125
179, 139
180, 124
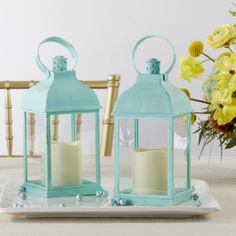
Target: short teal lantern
152, 139
62, 143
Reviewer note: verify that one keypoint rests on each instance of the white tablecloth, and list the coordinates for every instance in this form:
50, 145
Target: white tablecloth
221, 177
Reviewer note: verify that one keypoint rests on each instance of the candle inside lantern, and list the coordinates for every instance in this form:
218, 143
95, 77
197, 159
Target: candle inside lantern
66, 163
149, 171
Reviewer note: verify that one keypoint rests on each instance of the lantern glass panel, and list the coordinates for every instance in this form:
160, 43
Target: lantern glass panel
153, 133
72, 149
150, 157
126, 144
65, 152
35, 144
180, 153
88, 145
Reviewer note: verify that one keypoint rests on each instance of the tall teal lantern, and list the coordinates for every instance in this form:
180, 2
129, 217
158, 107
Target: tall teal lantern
152, 139
59, 169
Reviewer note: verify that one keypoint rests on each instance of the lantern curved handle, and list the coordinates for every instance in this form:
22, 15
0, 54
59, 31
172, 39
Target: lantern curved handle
62, 42
154, 36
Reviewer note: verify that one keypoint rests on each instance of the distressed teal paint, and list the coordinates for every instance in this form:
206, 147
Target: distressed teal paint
59, 63
155, 200
62, 42
153, 66
87, 188
153, 97
61, 90
152, 94
60, 93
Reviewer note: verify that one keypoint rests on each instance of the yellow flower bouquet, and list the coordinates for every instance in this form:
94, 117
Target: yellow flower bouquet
219, 87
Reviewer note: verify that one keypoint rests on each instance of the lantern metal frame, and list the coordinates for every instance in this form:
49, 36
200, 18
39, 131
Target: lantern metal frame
87, 187
47, 98
153, 97
171, 198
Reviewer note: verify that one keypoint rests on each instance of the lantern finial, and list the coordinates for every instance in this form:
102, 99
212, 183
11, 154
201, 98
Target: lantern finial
59, 63
152, 66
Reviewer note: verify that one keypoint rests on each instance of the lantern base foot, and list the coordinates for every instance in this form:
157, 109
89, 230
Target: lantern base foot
153, 200
86, 188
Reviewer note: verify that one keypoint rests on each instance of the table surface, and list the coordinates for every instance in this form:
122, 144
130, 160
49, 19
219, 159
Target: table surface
221, 177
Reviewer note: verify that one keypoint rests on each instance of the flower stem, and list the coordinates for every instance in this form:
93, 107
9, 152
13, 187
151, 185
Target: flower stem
203, 53
203, 61
202, 112
197, 100
230, 49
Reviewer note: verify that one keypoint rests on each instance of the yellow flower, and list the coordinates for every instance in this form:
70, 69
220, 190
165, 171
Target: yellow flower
186, 92
193, 119
195, 49
227, 54
221, 36
227, 64
232, 84
222, 80
226, 81
223, 106
226, 78
190, 67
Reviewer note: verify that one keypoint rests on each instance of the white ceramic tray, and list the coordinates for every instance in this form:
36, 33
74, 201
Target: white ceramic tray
97, 207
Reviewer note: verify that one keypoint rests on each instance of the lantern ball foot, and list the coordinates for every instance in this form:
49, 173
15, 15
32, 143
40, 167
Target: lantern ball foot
62, 205
196, 199
102, 194
198, 203
79, 197
112, 202
122, 202
15, 205
18, 205
23, 196
22, 189
105, 193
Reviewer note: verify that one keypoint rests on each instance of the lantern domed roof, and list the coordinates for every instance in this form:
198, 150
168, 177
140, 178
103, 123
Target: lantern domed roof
61, 92
152, 95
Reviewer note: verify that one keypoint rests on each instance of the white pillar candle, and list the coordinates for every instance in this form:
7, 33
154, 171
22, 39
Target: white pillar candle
66, 163
149, 171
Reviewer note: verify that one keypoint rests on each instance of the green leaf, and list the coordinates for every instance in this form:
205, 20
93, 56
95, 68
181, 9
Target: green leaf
200, 137
231, 143
233, 13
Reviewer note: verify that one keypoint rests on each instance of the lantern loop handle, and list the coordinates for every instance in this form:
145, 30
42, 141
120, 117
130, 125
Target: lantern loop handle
62, 42
154, 36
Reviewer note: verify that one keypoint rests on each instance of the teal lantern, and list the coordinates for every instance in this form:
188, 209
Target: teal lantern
152, 139
55, 106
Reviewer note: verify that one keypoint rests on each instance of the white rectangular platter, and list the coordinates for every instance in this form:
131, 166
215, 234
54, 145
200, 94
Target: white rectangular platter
98, 207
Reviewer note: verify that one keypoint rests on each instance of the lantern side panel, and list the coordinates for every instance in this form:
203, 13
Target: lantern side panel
86, 133
126, 147
150, 157
36, 148
180, 154
65, 152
